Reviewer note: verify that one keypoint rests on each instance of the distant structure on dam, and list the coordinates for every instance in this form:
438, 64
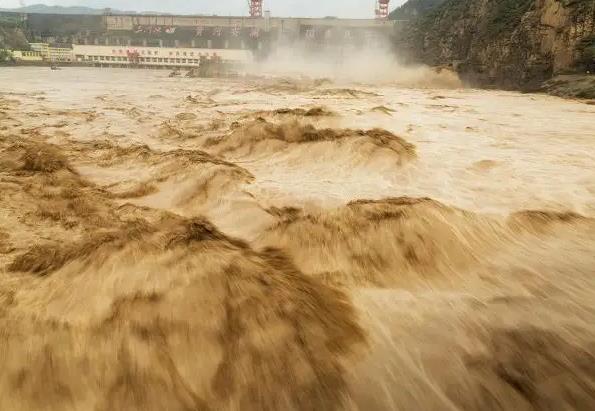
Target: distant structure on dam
238, 32
122, 35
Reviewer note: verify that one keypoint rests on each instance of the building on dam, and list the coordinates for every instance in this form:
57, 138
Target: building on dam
155, 57
168, 40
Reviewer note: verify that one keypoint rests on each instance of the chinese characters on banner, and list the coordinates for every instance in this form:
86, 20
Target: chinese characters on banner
201, 31
154, 29
313, 33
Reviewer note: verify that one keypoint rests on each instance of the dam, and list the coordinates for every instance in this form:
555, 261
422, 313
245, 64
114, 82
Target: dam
166, 41
209, 32
154, 41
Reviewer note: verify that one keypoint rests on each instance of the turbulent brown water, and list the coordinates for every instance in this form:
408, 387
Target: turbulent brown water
278, 244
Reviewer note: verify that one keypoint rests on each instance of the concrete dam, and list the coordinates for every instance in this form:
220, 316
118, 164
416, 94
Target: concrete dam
259, 34
183, 41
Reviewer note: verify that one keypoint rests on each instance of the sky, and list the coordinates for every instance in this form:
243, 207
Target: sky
301, 8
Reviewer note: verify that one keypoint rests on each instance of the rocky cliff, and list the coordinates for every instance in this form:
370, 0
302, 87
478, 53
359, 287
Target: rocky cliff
414, 9
505, 43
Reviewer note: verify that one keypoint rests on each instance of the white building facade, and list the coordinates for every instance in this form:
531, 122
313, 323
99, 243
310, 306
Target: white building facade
154, 56
53, 54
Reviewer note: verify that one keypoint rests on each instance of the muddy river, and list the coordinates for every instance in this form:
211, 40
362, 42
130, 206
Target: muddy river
292, 243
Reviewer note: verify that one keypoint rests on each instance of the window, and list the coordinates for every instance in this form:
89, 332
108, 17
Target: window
102, 58
160, 60
184, 53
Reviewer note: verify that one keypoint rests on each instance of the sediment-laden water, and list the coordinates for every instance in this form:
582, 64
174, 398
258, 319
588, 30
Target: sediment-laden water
292, 243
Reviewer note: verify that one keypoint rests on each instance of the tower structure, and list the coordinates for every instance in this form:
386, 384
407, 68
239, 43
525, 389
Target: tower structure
255, 7
382, 9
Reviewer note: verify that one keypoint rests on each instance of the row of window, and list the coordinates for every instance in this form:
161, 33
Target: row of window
156, 53
142, 59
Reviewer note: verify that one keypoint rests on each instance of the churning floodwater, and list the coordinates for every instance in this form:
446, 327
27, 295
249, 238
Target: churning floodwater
290, 242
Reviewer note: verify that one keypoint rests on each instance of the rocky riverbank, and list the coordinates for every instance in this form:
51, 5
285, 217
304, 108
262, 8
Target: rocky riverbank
512, 44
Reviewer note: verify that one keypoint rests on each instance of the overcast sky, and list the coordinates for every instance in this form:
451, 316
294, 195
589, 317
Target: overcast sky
304, 8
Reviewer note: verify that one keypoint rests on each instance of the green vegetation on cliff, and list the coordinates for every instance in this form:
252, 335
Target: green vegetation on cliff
506, 15
12, 35
5, 56
12, 38
414, 9
500, 15
509, 43
586, 50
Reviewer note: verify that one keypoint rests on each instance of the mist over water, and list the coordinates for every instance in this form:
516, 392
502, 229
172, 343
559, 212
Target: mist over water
343, 62
314, 235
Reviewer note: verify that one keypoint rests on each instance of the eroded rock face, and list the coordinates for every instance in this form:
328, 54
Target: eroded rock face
515, 44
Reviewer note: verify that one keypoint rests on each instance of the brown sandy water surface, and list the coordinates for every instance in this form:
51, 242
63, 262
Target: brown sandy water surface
278, 244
